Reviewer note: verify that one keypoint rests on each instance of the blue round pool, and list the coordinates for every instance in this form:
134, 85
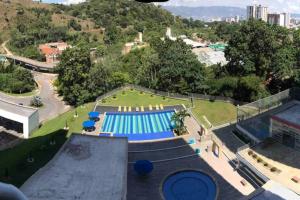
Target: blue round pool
189, 185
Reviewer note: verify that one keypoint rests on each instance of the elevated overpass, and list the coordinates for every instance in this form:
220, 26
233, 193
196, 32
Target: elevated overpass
27, 116
30, 63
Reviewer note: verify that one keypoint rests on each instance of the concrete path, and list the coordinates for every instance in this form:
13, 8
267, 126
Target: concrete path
3, 45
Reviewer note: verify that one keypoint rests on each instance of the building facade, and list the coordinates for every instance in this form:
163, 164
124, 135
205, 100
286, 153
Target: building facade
52, 51
276, 19
257, 12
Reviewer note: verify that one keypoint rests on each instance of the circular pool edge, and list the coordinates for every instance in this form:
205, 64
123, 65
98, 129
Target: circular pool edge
184, 170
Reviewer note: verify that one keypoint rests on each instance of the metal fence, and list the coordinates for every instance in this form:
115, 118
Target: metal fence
252, 109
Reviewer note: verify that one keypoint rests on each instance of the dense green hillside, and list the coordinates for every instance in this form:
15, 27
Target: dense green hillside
122, 19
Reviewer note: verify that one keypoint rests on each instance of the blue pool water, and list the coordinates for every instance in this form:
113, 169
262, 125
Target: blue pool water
189, 185
139, 126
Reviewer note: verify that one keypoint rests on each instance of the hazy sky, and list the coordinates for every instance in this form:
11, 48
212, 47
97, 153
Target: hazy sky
274, 5
292, 6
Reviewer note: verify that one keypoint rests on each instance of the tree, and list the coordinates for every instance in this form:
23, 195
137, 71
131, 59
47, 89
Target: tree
178, 119
73, 72
74, 24
178, 67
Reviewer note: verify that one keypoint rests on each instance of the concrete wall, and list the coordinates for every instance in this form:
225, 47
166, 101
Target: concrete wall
29, 123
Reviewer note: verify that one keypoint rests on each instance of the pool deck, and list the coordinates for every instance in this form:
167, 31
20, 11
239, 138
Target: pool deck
218, 168
227, 179
176, 154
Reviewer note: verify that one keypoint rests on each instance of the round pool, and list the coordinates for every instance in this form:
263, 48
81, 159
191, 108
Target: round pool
189, 185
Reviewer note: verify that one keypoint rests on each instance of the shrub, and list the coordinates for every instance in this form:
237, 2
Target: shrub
164, 97
250, 153
36, 101
141, 92
259, 160
273, 169
103, 100
114, 96
123, 92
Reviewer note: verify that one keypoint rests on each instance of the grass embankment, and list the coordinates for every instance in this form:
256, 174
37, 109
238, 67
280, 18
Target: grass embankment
14, 167
217, 112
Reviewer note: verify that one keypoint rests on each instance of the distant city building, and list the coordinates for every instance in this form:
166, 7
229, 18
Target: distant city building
261, 12
287, 20
282, 19
235, 19
276, 19
52, 51
257, 12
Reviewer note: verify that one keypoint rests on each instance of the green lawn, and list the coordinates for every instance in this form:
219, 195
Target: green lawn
13, 161
136, 98
75, 124
216, 112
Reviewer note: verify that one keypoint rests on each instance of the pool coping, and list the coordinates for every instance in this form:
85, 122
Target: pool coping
187, 169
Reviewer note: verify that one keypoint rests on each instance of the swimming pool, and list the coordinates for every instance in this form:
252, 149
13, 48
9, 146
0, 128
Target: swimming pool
189, 185
139, 125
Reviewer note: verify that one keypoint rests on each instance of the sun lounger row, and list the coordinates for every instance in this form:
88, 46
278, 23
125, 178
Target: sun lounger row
139, 109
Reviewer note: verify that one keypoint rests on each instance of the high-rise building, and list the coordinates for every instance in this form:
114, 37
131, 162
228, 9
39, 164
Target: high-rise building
251, 10
257, 12
282, 19
276, 19
262, 13
287, 20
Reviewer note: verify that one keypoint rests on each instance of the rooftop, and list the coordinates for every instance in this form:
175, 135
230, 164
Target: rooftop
273, 191
290, 116
86, 167
17, 109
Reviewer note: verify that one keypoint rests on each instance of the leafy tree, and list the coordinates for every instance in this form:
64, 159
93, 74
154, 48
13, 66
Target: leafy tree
178, 67
73, 72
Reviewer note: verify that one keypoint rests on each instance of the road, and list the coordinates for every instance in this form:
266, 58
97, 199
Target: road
53, 105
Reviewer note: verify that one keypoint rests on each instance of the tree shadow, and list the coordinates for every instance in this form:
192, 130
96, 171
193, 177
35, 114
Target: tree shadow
22, 161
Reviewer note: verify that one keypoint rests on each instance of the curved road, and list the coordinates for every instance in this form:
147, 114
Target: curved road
53, 105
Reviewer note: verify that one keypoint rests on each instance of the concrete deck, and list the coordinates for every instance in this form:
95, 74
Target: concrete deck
86, 167
227, 180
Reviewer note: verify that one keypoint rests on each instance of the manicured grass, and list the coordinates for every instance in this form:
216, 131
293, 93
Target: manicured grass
216, 112
14, 160
136, 98
75, 124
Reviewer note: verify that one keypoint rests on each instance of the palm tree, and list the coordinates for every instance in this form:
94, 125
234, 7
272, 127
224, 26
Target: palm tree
178, 119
